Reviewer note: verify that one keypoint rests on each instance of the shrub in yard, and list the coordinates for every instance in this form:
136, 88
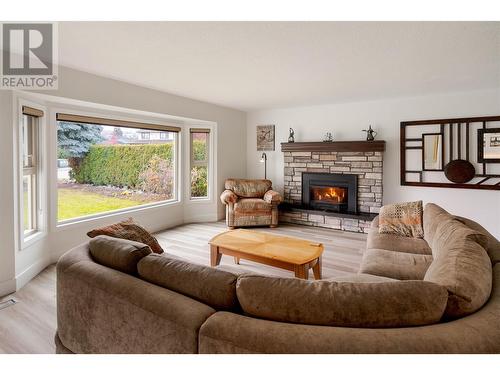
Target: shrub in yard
119, 165
157, 177
199, 182
199, 149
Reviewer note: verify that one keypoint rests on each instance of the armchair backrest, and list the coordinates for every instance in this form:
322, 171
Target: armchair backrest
248, 188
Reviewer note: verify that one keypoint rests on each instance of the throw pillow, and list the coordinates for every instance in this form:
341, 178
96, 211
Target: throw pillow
128, 230
403, 219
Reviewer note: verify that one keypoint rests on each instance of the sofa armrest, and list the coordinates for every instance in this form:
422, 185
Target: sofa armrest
130, 314
273, 197
228, 196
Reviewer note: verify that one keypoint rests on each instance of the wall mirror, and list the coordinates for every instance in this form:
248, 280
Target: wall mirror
432, 152
451, 153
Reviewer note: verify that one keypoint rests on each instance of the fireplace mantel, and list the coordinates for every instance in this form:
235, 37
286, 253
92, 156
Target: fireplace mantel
340, 146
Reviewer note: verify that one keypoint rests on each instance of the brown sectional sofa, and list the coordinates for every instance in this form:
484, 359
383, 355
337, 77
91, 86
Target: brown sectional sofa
440, 294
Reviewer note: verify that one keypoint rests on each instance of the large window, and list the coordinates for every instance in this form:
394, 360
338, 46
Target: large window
30, 202
199, 162
106, 165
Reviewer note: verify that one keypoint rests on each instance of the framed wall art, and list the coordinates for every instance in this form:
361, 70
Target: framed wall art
488, 143
265, 137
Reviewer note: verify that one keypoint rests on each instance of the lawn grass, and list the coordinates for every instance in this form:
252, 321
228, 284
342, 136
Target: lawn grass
72, 203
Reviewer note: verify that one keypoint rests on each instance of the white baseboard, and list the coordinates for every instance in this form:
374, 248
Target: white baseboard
196, 218
29, 273
7, 287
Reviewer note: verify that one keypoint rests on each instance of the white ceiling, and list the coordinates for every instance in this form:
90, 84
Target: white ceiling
254, 65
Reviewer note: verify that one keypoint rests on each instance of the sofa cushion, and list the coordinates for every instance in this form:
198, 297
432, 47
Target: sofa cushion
461, 265
129, 230
433, 215
119, 254
214, 287
448, 229
252, 205
346, 304
492, 245
404, 219
248, 188
361, 278
394, 242
395, 265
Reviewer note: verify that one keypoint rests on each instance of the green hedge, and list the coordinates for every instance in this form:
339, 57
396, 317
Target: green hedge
119, 165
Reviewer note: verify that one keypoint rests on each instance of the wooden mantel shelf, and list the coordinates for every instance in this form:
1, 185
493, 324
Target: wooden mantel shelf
354, 146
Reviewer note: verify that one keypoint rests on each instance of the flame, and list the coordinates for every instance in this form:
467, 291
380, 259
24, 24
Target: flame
331, 193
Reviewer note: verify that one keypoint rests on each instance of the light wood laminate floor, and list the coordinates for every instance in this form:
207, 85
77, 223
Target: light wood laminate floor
29, 326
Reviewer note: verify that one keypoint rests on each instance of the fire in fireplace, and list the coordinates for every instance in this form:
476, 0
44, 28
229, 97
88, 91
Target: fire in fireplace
332, 195
330, 191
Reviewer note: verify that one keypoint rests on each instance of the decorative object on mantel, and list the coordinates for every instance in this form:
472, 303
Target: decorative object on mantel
442, 149
291, 134
265, 137
370, 133
328, 137
263, 159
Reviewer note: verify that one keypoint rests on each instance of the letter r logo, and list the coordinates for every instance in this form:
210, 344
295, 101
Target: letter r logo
27, 49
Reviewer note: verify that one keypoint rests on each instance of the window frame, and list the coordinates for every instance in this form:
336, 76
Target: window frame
31, 170
37, 169
160, 123
201, 163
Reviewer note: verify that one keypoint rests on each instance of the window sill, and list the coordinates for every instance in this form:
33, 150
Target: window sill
199, 200
61, 225
32, 239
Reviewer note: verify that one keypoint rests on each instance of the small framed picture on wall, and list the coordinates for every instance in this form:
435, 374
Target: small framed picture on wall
265, 137
488, 145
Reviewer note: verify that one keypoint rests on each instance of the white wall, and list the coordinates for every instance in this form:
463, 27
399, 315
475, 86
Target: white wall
7, 282
346, 121
19, 266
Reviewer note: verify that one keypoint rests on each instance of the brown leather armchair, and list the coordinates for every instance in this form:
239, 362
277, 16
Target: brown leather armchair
250, 203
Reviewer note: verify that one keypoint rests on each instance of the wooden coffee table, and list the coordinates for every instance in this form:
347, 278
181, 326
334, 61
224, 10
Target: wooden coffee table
288, 253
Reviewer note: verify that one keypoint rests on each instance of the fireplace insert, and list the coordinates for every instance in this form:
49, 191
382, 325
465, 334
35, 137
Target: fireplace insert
330, 191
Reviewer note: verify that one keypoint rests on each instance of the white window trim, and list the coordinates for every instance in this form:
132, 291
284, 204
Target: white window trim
212, 171
24, 241
178, 139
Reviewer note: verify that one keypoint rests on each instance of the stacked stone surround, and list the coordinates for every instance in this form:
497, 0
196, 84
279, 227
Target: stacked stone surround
367, 165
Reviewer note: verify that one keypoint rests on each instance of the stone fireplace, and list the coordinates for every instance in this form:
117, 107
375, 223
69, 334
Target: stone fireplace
332, 184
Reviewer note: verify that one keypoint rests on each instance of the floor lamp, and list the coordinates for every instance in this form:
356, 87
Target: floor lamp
263, 159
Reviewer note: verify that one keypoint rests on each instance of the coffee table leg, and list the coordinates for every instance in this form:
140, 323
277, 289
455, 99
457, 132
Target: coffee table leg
236, 260
302, 271
317, 269
214, 255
